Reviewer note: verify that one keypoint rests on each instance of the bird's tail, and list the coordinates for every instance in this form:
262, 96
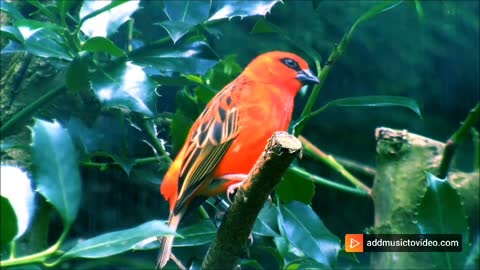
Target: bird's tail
167, 241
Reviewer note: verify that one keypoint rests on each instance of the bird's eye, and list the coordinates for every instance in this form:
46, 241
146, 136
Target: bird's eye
291, 63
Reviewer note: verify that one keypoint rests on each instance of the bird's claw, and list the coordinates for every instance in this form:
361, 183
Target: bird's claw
231, 190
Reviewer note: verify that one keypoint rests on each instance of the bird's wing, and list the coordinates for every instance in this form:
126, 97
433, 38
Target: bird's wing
213, 134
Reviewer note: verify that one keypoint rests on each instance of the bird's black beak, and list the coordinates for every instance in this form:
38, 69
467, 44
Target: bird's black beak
306, 77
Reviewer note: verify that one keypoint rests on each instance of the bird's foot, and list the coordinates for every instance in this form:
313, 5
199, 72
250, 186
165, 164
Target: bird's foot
231, 190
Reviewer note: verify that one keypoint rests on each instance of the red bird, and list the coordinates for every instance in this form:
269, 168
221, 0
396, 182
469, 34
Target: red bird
231, 133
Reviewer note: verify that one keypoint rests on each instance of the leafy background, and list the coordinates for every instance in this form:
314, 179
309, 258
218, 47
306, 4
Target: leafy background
97, 97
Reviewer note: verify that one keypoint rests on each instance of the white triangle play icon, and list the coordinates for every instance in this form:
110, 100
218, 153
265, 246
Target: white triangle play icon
353, 243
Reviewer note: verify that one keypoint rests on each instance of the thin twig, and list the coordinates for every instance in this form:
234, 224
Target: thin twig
332, 163
325, 182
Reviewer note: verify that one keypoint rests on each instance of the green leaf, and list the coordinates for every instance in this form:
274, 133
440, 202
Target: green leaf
193, 12
419, 9
198, 234
295, 188
250, 264
8, 222
77, 77
43, 39
16, 187
473, 258
47, 43
11, 10
64, 6
376, 101
29, 27
189, 57
223, 73
305, 231
56, 168
102, 44
111, 135
11, 32
12, 47
364, 101
176, 30
441, 212
184, 16
103, 18
126, 85
112, 243
267, 221
264, 26
281, 243
227, 9
377, 9
306, 264
179, 129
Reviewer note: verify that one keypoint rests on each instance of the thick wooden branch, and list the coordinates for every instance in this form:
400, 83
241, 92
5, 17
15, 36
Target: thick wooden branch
238, 222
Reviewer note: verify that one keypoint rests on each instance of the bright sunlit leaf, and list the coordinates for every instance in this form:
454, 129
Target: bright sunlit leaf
112, 243
56, 174
107, 22
16, 187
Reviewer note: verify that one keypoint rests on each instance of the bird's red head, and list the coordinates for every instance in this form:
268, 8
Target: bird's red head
284, 69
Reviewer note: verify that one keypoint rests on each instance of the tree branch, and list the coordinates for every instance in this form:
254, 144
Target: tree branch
238, 222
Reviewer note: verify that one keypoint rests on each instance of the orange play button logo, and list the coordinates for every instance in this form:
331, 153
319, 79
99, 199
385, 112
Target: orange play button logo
354, 242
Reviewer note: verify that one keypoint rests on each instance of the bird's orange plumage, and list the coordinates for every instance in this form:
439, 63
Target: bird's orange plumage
229, 136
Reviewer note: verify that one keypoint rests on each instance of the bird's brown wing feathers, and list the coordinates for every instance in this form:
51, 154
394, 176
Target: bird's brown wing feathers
217, 127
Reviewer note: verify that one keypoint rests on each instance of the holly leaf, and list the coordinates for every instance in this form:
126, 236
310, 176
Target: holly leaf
103, 18
9, 227
110, 135
11, 32
267, 221
184, 16
189, 57
56, 171
306, 232
227, 9
112, 243
196, 235
441, 211
16, 187
126, 85
102, 44
10, 9
77, 77
295, 188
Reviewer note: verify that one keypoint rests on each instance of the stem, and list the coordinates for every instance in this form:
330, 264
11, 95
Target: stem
27, 111
456, 139
332, 163
476, 149
322, 181
13, 249
357, 167
131, 22
154, 140
203, 212
336, 53
104, 165
39, 257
